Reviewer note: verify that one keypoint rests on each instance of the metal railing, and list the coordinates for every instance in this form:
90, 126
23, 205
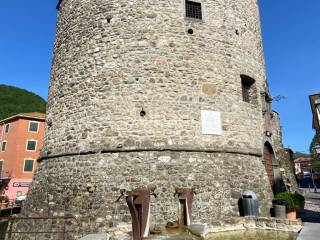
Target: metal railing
30, 227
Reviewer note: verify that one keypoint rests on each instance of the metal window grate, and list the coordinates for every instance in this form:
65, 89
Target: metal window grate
245, 92
246, 83
193, 9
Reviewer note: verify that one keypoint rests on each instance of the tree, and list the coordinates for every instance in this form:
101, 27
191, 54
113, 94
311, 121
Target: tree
15, 100
314, 156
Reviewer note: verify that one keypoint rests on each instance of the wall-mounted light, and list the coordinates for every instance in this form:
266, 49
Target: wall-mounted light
268, 133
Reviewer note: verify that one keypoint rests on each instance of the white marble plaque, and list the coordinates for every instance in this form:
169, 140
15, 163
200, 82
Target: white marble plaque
211, 122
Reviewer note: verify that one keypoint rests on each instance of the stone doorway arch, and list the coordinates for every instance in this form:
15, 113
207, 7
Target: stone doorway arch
268, 159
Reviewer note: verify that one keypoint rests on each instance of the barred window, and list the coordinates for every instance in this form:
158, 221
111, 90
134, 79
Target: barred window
246, 83
193, 9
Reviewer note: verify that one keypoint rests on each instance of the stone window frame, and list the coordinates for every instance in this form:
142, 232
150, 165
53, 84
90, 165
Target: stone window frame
35, 147
38, 124
5, 144
24, 165
203, 13
248, 92
6, 128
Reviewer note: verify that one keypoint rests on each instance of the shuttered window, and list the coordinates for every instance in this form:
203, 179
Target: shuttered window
7, 127
31, 145
3, 146
33, 126
28, 165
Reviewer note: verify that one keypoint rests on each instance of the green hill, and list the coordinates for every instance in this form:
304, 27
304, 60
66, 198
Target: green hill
16, 100
299, 154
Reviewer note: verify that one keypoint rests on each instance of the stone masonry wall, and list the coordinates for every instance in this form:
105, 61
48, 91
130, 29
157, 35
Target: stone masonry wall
113, 59
88, 186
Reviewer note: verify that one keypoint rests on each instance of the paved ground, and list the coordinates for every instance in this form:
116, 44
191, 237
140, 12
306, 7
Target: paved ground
311, 217
312, 208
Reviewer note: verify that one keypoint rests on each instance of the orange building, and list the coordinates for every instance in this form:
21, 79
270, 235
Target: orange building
21, 139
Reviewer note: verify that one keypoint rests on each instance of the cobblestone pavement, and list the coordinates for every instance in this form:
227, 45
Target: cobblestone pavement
312, 208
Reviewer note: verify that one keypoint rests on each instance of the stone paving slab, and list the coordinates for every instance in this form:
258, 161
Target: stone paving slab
310, 231
97, 236
311, 217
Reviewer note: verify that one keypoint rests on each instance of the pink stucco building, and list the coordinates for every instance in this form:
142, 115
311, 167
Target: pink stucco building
21, 139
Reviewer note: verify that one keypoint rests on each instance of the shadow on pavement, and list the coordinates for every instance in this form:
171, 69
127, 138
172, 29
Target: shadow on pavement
309, 216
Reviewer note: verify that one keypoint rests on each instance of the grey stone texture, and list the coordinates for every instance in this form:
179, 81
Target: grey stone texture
217, 178
260, 223
113, 59
97, 236
104, 73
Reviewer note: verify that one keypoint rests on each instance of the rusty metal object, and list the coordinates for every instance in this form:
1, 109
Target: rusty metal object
172, 225
185, 196
63, 232
138, 201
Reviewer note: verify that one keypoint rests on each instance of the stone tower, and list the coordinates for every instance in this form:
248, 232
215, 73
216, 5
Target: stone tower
153, 93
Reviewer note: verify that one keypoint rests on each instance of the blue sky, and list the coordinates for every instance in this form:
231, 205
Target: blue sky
291, 43
291, 39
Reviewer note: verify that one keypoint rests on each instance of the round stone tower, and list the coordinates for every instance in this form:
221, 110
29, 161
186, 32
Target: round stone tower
153, 93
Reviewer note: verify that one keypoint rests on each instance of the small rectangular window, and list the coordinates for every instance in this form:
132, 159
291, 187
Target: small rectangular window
6, 128
31, 145
33, 126
245, 92
193, 9
246, 83
3, 146
28, 165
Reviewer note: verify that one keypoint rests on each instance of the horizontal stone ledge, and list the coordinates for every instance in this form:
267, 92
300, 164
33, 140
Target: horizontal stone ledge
245, 223
122, 150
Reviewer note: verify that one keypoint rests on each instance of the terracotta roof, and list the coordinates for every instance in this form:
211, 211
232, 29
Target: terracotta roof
32, 115
302, 159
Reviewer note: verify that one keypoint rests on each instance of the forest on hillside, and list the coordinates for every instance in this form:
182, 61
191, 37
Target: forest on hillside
15, 100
